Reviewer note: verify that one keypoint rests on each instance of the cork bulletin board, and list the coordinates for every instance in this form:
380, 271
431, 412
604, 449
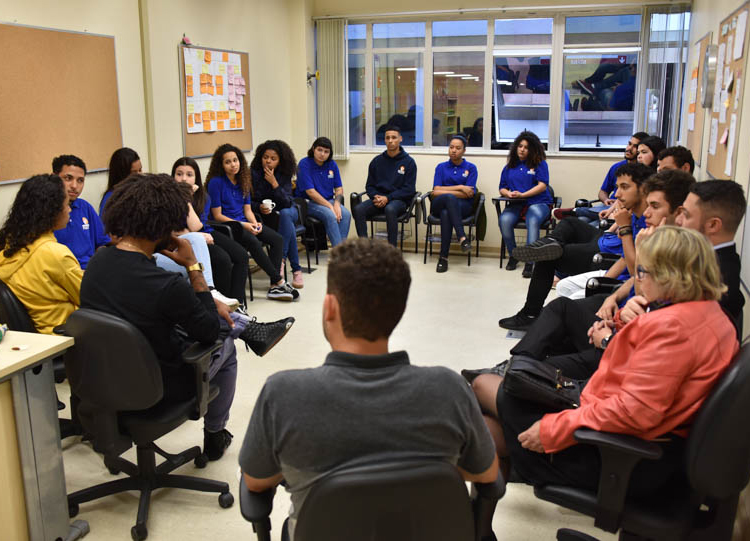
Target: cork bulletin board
696, 114
203, 143
59, 96
724, 117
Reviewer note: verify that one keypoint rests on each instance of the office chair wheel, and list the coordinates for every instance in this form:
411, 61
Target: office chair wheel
138, 532
72, 509
226, 500
201, 460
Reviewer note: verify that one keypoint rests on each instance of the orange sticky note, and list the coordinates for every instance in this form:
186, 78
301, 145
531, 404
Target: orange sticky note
197, 118
206, 116
190, 121
190, 91
210, 89
207, 57
219, 90
220, 125
225, 57
206, 125
239, 119
232, 124
213, 115
189, 79
204, 89
219, 80
204, 77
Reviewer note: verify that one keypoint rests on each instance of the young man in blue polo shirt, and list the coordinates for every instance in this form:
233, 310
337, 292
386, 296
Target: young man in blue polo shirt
391, 185
84, 232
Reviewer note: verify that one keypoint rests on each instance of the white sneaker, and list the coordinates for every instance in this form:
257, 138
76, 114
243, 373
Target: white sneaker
233, 304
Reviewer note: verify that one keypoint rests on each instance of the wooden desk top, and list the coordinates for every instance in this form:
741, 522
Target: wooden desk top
37, 347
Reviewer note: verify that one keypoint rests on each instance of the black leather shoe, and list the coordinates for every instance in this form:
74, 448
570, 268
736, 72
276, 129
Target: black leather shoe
528, 270
511, 264
465, 245
442, 265
519, 322
544, 249
215, 443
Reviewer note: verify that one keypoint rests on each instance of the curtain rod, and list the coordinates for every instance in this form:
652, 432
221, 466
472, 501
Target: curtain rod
471, 11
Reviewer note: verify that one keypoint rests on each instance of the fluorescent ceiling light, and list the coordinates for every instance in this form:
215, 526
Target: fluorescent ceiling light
617, 50
460, 75
522, 52
506, 83
442, 73
406, 69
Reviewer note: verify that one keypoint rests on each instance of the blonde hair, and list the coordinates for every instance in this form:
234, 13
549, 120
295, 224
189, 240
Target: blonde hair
683, 263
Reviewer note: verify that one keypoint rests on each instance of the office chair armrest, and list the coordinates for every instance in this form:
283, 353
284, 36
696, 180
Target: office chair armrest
222, 227
199, 357
60, 330
340, 198
602, 284
355, 198
301, 204
484, 497
494, 490
256, 508
603, 261
605, 224
423, 205
619, 455
480, 205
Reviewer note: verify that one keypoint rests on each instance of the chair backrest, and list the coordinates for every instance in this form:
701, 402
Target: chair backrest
112, 365
718, 448
399, 501
12, 311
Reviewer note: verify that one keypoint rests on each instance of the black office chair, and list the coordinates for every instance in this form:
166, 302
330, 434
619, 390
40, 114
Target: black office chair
471, 220
410, 212
14, 314
114, 372
548, 225
408, 500
716, 469
315, 237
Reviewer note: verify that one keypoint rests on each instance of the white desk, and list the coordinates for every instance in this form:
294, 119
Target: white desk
34, 504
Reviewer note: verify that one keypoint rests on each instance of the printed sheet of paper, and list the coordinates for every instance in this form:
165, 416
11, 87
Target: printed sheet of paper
213, 85
713, 138
719, 78
729, 165
739, 33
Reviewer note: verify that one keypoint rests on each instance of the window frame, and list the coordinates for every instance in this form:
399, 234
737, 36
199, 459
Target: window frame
558, 51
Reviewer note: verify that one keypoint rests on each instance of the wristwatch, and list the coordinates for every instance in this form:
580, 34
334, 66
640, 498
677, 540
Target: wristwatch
195, 267
605, 341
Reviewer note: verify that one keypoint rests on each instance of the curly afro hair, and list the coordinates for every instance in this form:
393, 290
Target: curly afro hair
287, 161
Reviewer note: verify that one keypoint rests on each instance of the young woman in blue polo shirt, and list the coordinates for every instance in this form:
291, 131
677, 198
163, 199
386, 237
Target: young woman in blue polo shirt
319, 181
525, 178
272, 170
453, 197
123, 163
230, 188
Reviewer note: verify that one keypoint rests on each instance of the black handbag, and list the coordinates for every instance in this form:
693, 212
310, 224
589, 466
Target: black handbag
541, 383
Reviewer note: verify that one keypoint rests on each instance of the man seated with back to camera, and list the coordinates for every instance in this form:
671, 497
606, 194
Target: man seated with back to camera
365, 404
571, 246
391, 185
84, 233
172, 313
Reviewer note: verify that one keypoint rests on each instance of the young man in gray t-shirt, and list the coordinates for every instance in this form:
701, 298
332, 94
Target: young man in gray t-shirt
363, 404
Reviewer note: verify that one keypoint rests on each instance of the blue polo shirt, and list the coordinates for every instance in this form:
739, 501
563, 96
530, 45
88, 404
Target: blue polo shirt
84, 232
520, 178
205, 215
106, 196
610, 181
324, 179
449, 174
611, 243
229, 197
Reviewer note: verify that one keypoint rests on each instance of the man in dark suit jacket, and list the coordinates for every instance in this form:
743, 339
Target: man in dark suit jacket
715, 208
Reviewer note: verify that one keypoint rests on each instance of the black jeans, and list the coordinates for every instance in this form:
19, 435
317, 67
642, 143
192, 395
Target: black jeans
392, 211
580, 244
229, 263
271, 262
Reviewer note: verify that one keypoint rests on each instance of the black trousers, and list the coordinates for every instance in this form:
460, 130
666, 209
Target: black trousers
229, 263
271, 262
580, 244
560, 336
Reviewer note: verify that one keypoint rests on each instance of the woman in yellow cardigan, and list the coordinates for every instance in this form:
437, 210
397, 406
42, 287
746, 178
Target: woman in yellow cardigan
43, 274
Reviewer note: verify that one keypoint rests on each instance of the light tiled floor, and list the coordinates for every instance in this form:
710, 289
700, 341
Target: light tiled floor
450, 320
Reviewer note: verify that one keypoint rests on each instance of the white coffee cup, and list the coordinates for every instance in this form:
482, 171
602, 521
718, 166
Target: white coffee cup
267, 203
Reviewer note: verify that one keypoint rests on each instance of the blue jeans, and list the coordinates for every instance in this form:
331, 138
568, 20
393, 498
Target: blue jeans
287, 218
200, 249
535, 215
392, 211
451, 210
336, 231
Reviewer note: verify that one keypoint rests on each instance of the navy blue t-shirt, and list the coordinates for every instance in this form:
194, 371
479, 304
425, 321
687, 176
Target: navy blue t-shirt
84, 232
324, 179
610, 181
229, 197
520, 178
449, 174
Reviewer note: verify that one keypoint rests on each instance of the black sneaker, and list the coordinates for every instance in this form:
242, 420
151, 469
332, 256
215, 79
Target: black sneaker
215, 443
292, 290
528, 270
544, 249
519, 322
280, 293
442, 265
465, 245
261, 337
511, 264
